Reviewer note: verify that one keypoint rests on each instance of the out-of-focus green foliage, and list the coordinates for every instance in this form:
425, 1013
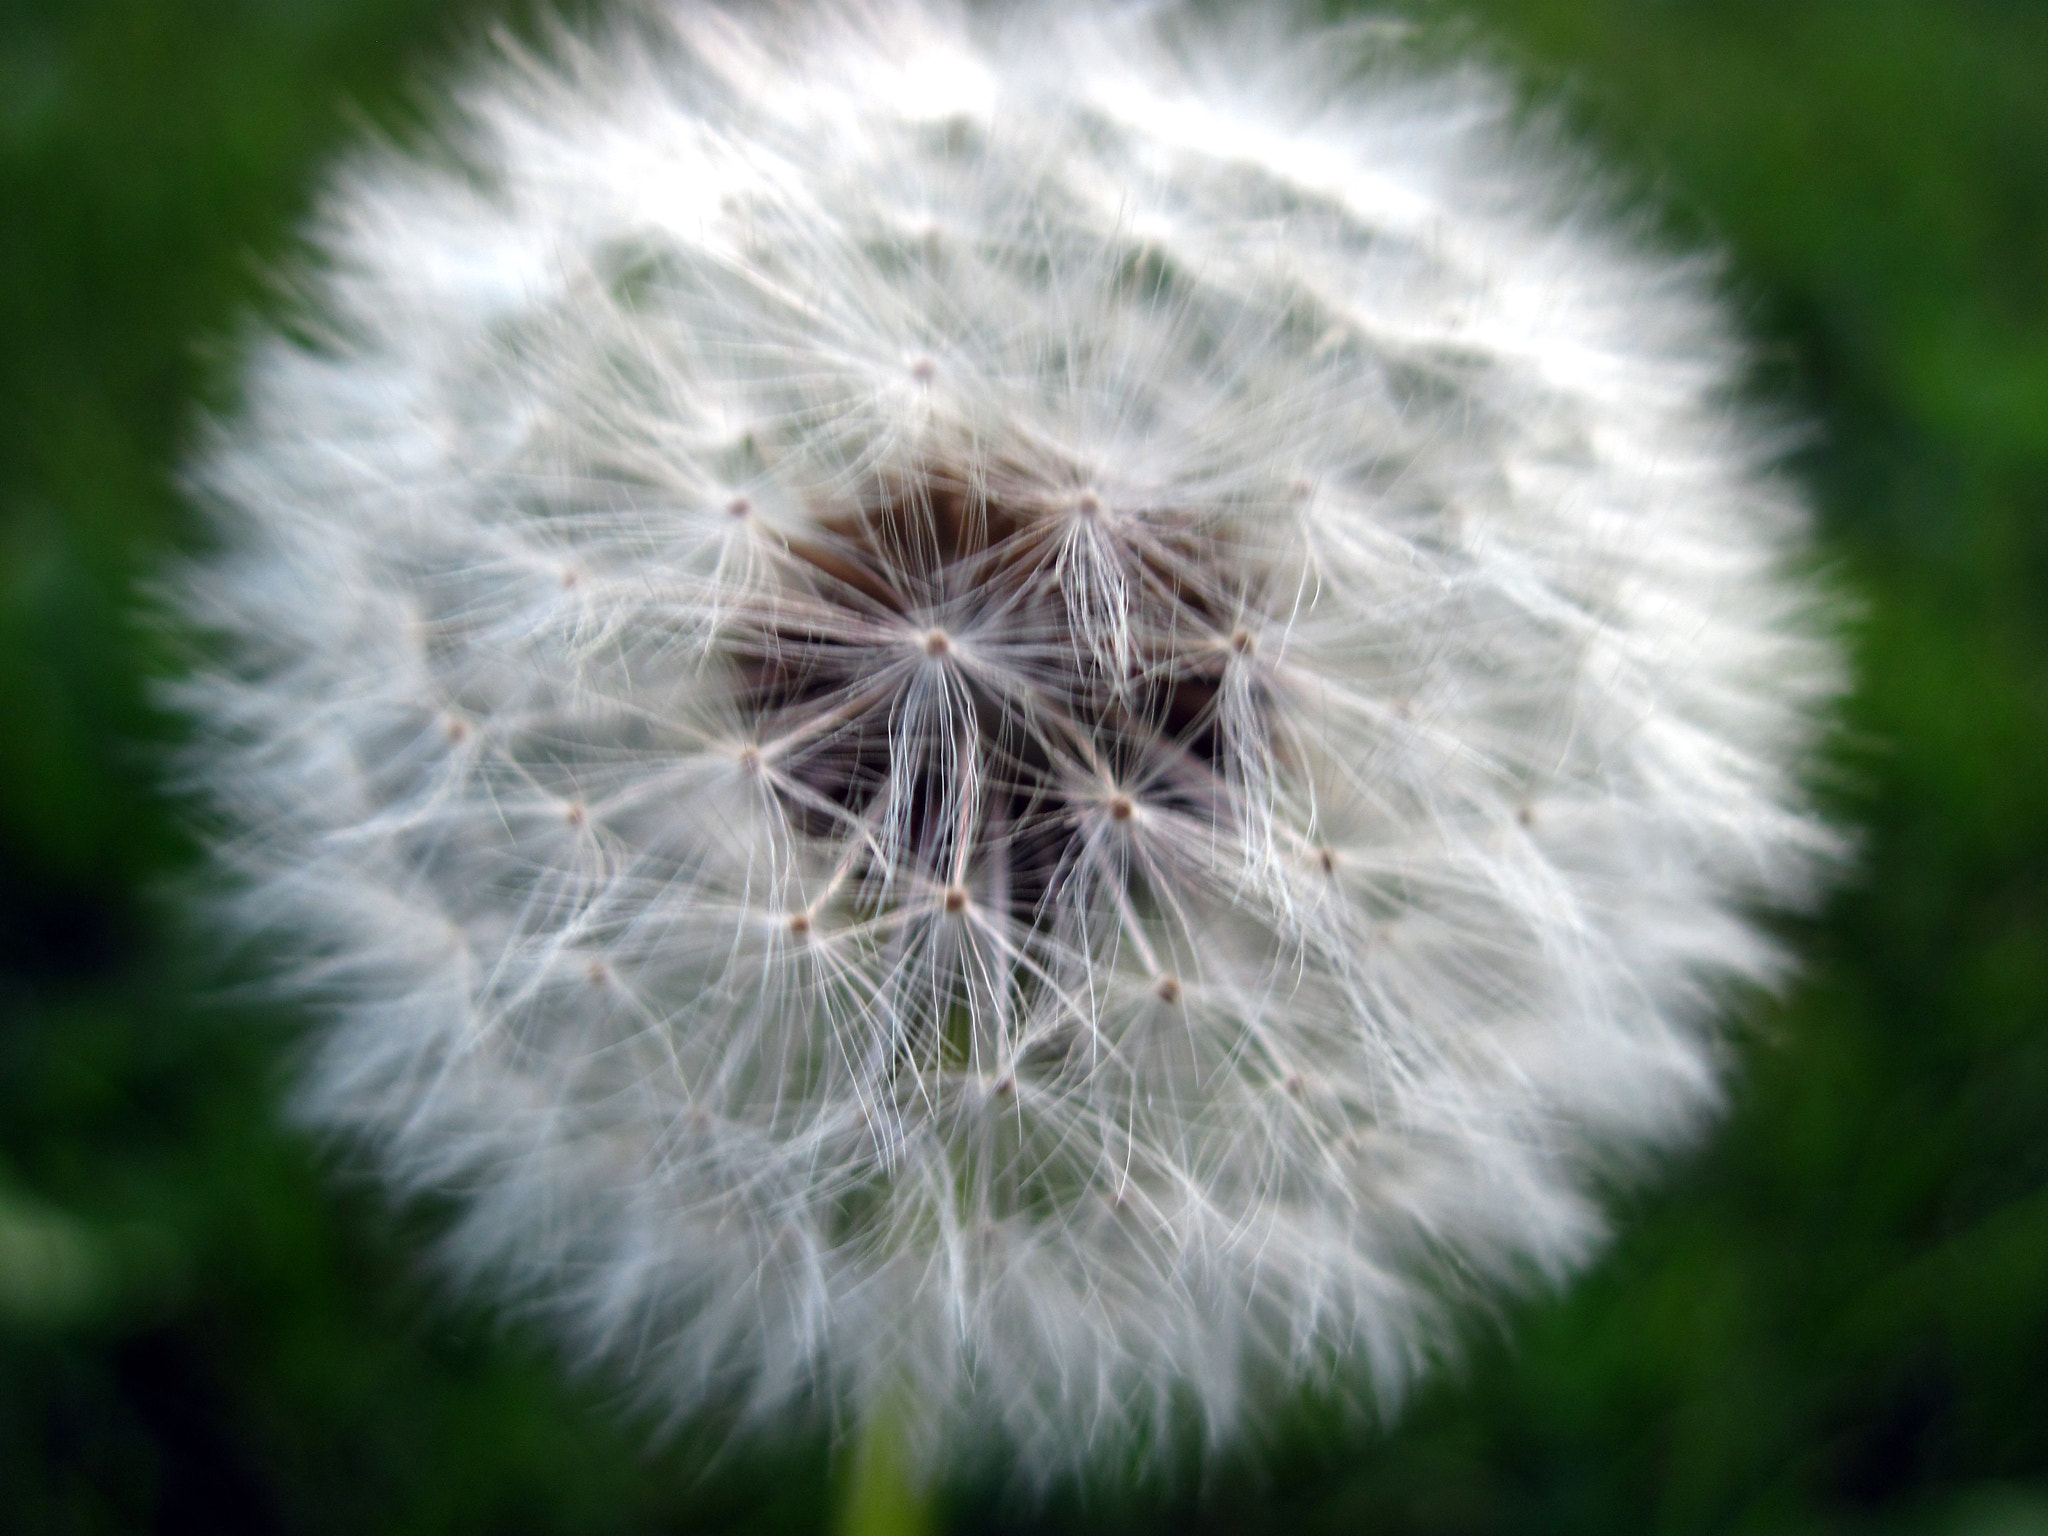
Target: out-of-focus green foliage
1833, 1319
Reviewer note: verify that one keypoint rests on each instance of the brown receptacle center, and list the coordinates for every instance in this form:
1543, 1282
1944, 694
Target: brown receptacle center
1054, 721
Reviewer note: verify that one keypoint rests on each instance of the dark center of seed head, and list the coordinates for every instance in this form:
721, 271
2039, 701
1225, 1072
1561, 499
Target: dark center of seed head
991, 779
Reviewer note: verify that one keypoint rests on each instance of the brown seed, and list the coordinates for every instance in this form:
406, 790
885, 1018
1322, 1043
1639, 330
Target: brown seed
1122, 808
956, 898
1167, 989
937, 642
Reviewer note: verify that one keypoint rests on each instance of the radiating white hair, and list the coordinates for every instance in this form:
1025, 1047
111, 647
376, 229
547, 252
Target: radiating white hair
1058, 715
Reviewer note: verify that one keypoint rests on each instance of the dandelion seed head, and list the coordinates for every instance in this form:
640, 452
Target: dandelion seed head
1058, 715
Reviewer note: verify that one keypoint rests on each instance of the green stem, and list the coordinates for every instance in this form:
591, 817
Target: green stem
880, 1496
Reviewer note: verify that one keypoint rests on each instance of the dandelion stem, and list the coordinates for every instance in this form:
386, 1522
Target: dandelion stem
878, 1495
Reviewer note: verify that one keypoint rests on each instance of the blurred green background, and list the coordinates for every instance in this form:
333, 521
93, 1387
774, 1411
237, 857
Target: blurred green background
1833, 1319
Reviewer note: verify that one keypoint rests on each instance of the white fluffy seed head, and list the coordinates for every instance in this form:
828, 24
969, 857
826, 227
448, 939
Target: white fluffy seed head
1058, 716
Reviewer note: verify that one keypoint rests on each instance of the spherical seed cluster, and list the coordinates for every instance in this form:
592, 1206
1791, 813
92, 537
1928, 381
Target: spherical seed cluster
1055, 717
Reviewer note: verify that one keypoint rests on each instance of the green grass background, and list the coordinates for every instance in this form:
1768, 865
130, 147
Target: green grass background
1833, 1319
